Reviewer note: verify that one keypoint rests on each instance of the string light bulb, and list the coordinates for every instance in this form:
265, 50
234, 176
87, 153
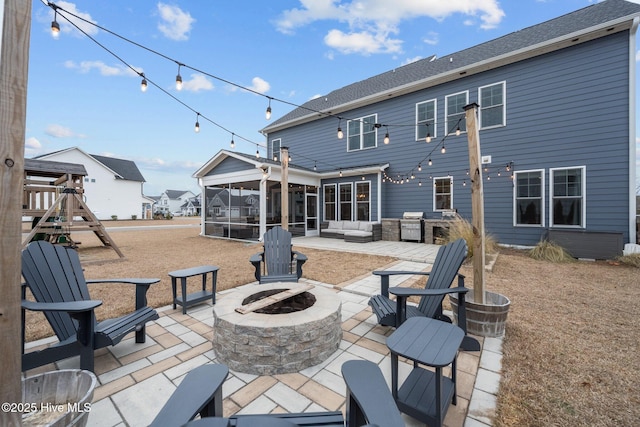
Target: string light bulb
430, 162
419, 167
179, 79
386, 136
143, 84
428, 137
257, 152
315, 167
458, 131
55, 27
340, 134
443, 150
197, 127
268, 112
233, 143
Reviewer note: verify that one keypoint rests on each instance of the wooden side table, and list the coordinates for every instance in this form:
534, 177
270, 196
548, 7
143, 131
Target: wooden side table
425, 395
197, 297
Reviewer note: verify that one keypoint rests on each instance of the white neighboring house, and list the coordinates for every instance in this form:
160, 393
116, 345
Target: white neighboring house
112, 186
172, 201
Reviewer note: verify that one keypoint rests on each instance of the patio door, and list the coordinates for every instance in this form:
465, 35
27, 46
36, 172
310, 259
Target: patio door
312, 214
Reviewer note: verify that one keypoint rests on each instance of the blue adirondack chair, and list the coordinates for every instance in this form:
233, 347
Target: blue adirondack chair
444, 272
369, 400
54, 276
277, 262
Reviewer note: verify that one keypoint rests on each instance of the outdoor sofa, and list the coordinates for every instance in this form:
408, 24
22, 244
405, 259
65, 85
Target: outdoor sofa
352, 231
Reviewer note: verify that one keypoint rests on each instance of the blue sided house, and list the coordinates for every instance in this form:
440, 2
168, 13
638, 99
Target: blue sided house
556, 119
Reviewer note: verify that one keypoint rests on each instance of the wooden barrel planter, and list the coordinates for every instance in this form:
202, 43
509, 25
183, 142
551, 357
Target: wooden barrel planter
58, 398
485, 320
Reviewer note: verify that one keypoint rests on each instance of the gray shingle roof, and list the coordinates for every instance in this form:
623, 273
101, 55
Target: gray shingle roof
570, 23
127, 169
49, 168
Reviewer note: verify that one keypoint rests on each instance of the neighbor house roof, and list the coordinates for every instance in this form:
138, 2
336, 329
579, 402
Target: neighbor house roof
576, 27
127, 169
175, 194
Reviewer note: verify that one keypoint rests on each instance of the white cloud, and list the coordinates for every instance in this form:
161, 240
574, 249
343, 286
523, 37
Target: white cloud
411, 60
370, 25
196, 83
362, 42
259, 85
103, 69
58, 131
32, 144
175, 23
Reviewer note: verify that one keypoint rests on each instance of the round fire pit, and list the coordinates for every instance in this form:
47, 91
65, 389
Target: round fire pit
284, 342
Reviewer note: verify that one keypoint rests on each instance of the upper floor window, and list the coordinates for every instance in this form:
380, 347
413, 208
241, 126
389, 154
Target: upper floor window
442, 193
567, 196
361, 133
529, 197
492, 105
275, 149
454, 106
426, 119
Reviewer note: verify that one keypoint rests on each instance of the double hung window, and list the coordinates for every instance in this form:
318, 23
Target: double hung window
454, 106
442, 193
492, 105
567, 197
529, 197
426, 119
362, 133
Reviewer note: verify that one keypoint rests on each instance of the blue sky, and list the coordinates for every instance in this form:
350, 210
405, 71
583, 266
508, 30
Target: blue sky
83, 95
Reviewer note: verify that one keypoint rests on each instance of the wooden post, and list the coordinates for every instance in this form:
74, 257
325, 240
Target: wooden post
15, 27
284, 187
477, 201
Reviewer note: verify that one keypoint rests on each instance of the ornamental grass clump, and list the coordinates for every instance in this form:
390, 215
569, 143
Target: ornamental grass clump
632, 260
462, 229
548, 251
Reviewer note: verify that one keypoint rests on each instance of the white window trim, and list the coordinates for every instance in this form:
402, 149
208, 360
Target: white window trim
339, 202
543, 208
447, 125
375, 130
273, 142
433, 185
504, 104
434, 132
584, 198
356, 203
324, 202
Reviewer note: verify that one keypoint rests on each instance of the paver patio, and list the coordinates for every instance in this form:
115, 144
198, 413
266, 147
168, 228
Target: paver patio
135, 380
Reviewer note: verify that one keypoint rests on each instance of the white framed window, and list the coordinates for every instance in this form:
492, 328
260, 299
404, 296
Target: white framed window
442, 193
346, 201
528, 198
363, 201
426, 113
454, 108
493, 110
568, 203
275, 149
362, 133
330, 202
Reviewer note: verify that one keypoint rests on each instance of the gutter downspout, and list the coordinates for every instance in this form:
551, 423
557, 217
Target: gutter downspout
632, 131
266, 174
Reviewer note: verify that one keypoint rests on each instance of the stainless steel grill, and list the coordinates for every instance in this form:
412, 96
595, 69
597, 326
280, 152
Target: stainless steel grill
411, 226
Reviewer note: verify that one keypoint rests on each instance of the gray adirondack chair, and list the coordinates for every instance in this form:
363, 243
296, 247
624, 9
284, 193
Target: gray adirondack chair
443, 273
54, 276
277, 262
369, 400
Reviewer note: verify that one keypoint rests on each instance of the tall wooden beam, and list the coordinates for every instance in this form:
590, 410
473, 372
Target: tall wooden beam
284, 187
477, 201
14, 61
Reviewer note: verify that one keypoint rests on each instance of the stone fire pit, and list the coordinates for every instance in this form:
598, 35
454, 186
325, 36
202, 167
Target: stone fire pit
269, 344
